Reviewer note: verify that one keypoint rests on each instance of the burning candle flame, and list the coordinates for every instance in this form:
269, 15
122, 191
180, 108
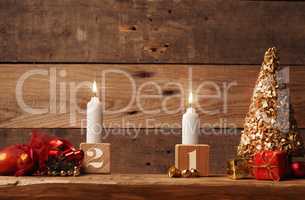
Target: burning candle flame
190, 99
94, 88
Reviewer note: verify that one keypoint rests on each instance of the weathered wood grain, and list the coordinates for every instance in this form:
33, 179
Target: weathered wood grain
296, 82
167, 31
144, 180
144, 186
227, 92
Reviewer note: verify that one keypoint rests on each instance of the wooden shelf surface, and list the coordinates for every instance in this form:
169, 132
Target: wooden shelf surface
143, 186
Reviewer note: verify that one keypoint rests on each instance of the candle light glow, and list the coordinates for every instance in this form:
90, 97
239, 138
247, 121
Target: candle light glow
94, 88
190, 99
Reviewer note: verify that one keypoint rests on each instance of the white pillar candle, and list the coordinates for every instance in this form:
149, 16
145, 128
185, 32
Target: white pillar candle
94, 118
190, 125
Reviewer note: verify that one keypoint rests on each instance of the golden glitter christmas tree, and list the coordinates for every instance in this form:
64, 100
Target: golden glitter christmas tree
270, 124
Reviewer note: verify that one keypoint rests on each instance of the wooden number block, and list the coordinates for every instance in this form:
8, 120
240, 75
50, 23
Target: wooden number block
193, 156
97, 157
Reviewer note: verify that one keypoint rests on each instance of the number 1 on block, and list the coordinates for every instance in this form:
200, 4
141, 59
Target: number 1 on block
193, 160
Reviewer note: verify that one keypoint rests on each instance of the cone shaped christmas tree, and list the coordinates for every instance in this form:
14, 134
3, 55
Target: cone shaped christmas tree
270, 124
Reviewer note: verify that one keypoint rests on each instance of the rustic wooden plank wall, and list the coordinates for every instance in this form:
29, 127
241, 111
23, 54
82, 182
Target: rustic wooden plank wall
223, 41
227, 90
172, 31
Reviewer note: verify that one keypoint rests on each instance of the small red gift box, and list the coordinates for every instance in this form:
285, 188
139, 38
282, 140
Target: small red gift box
270, 165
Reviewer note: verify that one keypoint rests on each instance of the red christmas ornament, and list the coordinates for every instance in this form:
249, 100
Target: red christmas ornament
17, 160
44, 155
55, 154
298, 169
56, 143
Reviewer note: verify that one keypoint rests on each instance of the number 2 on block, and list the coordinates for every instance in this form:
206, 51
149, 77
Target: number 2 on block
94, 157
192, 159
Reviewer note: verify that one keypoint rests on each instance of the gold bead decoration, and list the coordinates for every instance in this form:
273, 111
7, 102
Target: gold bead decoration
186, 173
173, 172
194, 173
63, 173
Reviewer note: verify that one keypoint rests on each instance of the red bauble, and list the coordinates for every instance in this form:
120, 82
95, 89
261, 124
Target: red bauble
298, 169
17, 160
56, 143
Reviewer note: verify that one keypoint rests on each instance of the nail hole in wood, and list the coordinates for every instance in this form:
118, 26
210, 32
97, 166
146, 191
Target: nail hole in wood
169, 11
153, 49
148, 164
133, 28
169, 92
132, 112
143, 74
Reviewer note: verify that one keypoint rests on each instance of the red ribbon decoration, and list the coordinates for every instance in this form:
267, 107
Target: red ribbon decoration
55, 148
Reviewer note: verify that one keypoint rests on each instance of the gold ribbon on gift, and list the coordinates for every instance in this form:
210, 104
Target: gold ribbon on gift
267, 166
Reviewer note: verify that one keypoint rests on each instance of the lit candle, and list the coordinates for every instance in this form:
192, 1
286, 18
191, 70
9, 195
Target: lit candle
190, 124
94, 118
